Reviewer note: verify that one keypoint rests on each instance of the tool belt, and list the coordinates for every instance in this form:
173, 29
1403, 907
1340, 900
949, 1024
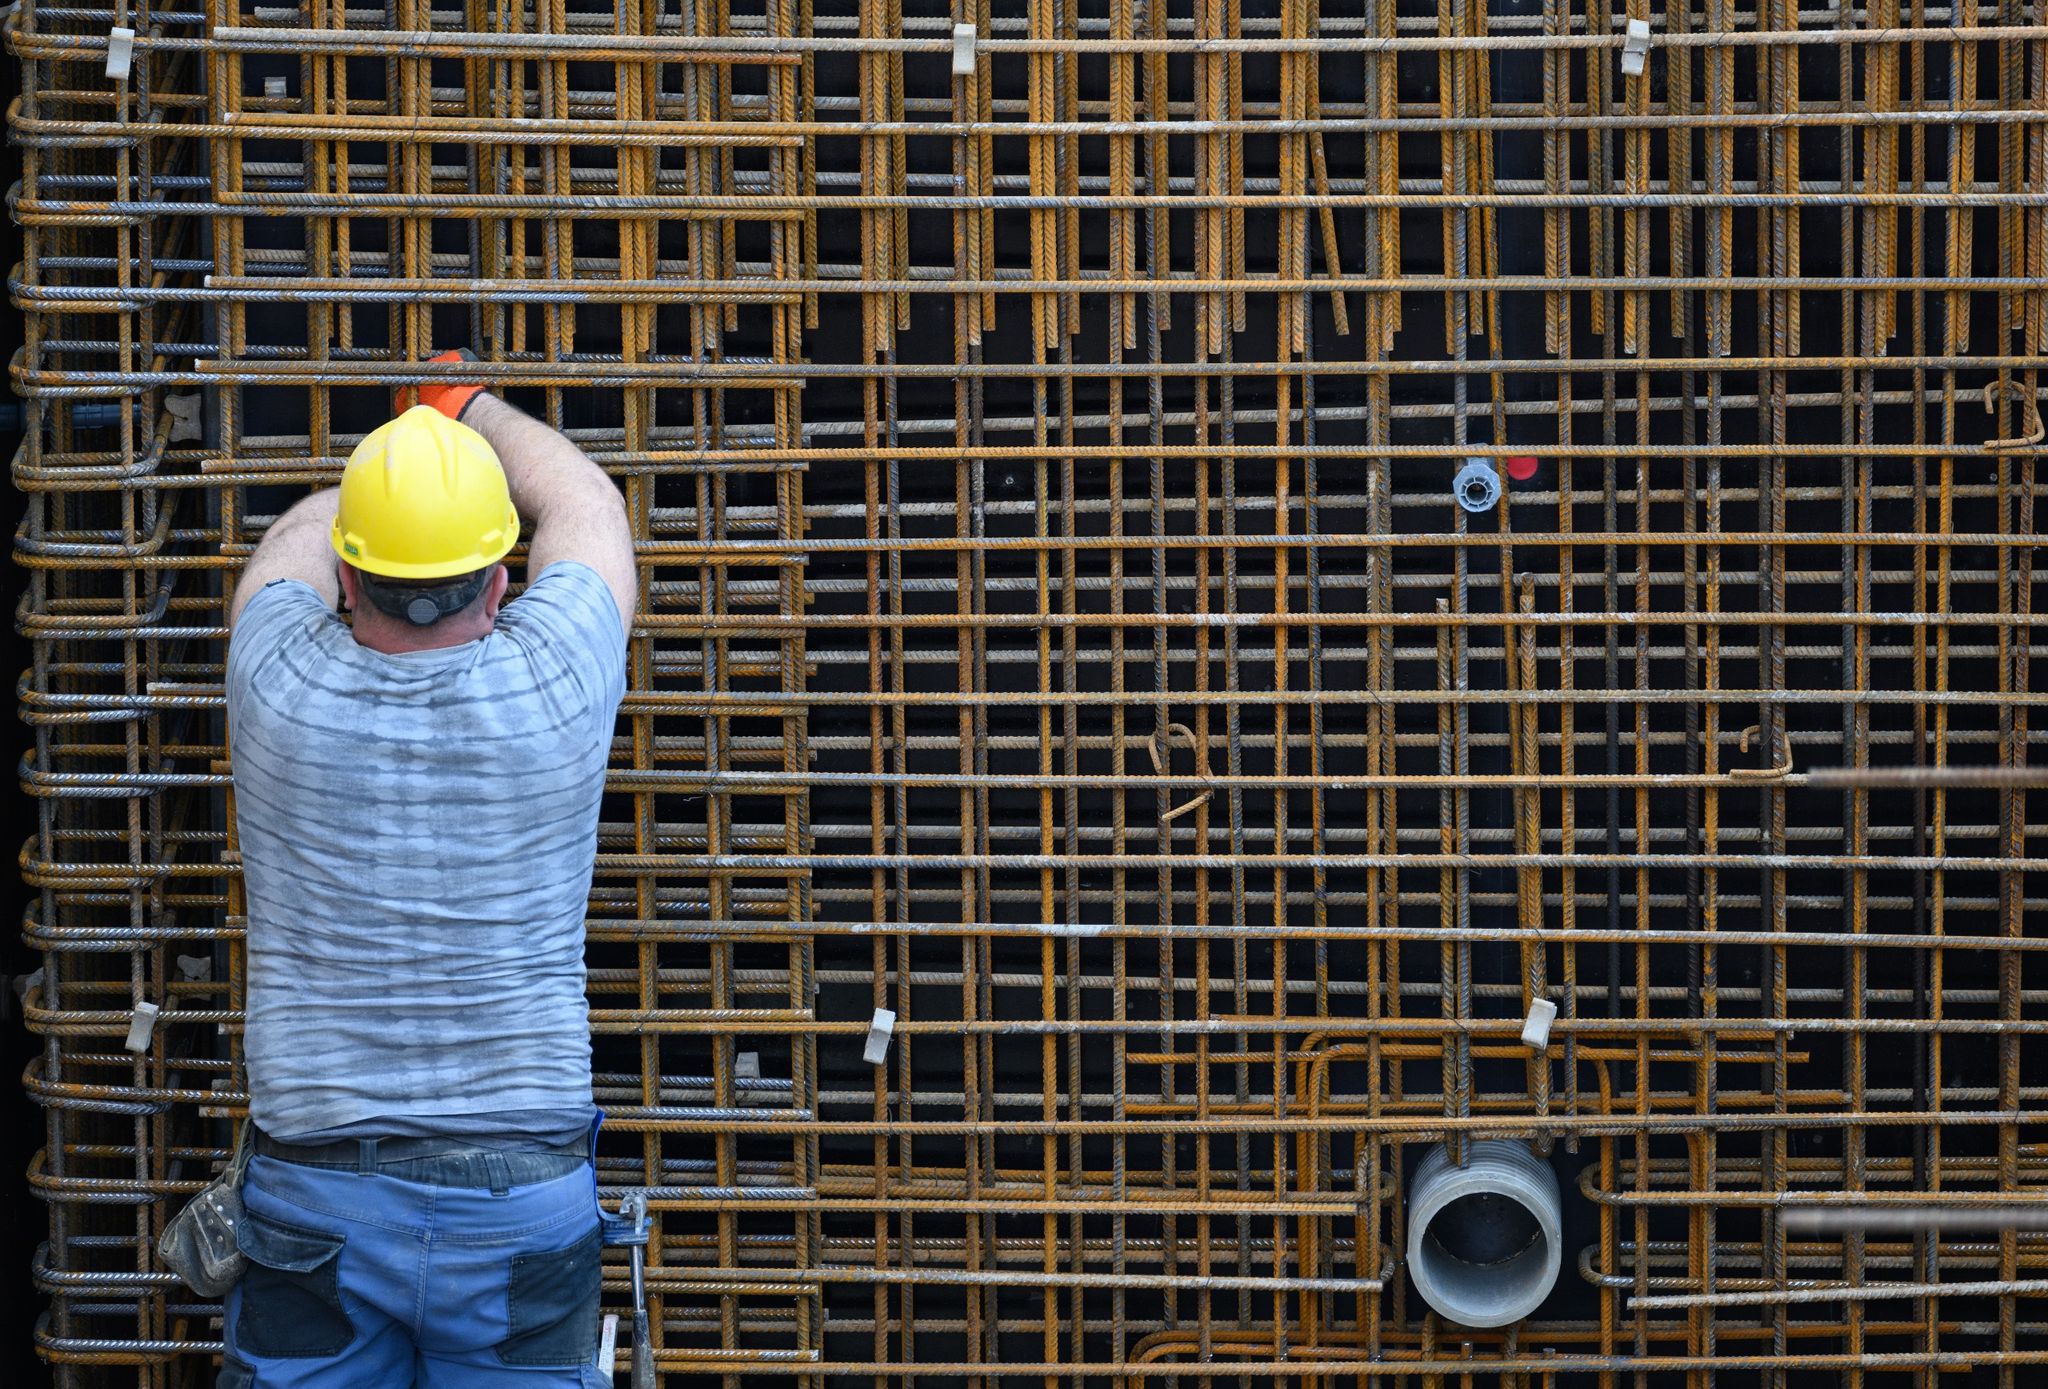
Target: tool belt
200, 1244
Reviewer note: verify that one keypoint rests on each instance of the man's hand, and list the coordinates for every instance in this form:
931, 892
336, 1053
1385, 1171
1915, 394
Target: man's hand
295, 547
452, 398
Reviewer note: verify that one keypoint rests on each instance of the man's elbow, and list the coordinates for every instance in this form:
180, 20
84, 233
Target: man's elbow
605, 504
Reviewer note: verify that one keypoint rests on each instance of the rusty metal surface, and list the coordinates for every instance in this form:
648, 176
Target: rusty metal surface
1059, 631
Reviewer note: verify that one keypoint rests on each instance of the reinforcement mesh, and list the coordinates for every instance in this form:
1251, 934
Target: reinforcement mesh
1050, 448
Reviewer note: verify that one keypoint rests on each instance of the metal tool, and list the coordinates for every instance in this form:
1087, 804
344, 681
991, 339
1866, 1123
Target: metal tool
630, 1230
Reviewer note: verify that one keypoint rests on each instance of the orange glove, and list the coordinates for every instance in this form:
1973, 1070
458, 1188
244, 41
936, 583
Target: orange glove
451, 398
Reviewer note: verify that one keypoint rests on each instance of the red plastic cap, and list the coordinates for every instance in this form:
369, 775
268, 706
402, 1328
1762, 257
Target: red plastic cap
1522, 467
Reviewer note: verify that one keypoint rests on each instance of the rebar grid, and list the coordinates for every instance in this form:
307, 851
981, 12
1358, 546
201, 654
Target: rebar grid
1059, 631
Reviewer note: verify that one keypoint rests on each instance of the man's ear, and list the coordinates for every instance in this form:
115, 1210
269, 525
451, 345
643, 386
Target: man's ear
494, 590
346, 574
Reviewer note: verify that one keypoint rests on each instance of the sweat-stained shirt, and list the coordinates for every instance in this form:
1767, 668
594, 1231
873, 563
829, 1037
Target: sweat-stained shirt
417, 835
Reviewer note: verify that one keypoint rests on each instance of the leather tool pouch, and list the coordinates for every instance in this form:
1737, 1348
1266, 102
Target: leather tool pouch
200, 1244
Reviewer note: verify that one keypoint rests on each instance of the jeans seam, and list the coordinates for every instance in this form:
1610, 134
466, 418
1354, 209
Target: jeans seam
355, 1217
500, 1234
419, 1280
426, 1229
429, 1234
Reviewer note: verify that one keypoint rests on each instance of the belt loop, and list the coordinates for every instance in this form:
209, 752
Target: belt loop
499, 1173
366, 1156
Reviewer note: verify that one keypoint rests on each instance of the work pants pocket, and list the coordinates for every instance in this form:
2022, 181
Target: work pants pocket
553, 1306
291, 1293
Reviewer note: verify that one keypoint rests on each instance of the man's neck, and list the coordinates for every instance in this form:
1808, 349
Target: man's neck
398, 639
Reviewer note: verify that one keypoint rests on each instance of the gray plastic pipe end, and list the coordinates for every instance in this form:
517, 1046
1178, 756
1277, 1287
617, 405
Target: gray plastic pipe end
1485, 1240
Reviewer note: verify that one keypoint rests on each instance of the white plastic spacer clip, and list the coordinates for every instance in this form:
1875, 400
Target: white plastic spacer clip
141, 1024
120, 53
879, 1029
216, 1111
963, 50
276, 86
1635, 48
195, 967
1536, 1027
185, 416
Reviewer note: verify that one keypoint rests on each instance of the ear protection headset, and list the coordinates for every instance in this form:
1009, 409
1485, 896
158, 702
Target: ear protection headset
423, 604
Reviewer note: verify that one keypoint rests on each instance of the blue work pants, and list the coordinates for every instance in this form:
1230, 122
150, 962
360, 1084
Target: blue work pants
468, 1269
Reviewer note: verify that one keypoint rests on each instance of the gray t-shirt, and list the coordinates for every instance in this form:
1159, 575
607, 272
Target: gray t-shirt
417, 834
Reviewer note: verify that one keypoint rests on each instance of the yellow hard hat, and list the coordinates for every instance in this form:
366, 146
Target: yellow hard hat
424, 497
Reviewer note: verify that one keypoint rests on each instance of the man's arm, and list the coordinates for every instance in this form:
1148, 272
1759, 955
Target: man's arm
295, 547
576, 511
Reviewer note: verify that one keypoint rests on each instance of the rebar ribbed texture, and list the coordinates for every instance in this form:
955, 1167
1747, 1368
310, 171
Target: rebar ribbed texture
1059, 630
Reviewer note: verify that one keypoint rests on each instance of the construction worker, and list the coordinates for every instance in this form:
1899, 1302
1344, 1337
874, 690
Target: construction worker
416, 796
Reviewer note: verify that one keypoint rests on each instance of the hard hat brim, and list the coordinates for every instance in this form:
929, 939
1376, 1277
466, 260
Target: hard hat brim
353, 555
